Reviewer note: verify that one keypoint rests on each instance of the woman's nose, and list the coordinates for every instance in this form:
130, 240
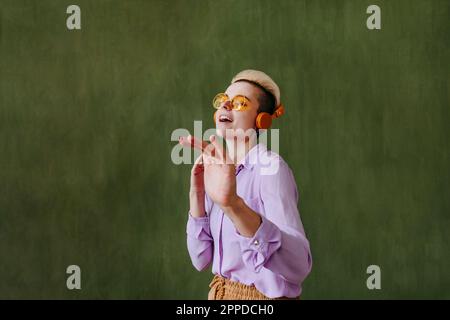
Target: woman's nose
227, 105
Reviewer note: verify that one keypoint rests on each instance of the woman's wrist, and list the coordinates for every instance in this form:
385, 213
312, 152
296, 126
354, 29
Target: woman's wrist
196, 193
234, 207
197, 204
244, 218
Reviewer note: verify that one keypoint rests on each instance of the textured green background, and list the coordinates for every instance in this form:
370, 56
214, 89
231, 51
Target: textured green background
86, 118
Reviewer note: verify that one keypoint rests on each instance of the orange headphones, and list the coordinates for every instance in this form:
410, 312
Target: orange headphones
264, 119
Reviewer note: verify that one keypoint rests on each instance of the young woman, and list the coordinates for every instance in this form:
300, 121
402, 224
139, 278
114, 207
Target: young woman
243, 218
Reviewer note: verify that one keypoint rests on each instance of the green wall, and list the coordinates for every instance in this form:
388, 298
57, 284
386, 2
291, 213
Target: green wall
86, 118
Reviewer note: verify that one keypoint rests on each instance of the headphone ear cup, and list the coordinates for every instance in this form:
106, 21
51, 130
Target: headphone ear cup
263, 120
214, 116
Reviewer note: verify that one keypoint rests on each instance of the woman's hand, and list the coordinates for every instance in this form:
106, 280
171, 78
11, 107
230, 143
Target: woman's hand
212, 172
197, 186
220, 175
216, 173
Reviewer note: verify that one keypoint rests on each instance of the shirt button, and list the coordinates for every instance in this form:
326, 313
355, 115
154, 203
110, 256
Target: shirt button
256, 242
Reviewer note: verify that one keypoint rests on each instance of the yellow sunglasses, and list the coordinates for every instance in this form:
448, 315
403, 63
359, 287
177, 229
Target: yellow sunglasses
238, 103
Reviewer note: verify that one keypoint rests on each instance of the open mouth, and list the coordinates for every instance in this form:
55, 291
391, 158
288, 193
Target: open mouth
225, 118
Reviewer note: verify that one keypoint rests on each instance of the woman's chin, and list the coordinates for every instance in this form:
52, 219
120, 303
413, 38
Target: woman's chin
229, 132
224, 131
221, 132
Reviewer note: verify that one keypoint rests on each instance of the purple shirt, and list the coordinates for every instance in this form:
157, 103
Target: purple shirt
277, 258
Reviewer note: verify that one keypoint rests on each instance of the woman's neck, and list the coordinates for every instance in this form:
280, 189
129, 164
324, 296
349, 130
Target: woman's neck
239, 149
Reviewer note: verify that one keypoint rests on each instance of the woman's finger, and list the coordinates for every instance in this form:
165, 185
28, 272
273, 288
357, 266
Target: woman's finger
198, 164
219, 150
209, 160
193, 142
199, 160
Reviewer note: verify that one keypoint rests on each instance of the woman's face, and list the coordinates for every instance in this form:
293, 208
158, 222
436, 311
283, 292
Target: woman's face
226, 118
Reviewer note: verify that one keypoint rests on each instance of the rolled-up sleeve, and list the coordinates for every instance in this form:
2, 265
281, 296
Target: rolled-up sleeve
199, 241
279, 244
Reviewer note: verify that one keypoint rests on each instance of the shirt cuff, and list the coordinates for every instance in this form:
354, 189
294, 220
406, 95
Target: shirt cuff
198, 228
257, 250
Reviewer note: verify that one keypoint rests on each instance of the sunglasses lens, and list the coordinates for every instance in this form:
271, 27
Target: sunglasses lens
219, 100
239, 103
